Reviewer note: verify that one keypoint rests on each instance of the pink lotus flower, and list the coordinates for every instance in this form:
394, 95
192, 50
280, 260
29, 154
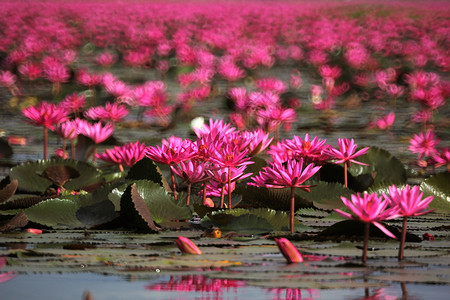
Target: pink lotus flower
259, 141
96, 132
442, 158
370, 208
191, 172
47, 115
346, 154
309, 150
186, 246
74, 102
408, 201
31, 70
288, 250
88, 79
223, 182
290, 174
173, 151
111, 112
384, 123
106, 59
7, 79
424, 143
126, 155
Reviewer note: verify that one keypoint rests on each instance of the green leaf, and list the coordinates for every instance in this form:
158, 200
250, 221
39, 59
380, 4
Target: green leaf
438, 186
145, 169
97, 213
278, 199
235, 219
325, 195
56, 213
388, 168
163, 207
30, 179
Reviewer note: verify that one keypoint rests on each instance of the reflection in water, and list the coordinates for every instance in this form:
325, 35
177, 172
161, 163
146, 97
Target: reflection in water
206, 286
197, 283
290, 293
8, 275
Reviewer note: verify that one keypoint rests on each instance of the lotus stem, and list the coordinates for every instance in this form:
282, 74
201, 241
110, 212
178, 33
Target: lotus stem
204, 193
45, 142
174, 187
402, 240
366, 241
222, 196
72, 148
229, 187
292, 209
64, 147
276, 133
345, 175
56, 89
188, 198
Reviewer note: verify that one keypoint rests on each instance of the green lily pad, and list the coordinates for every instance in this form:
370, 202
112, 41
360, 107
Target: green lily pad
163, 207
388, 168
438, 186
238, 219
145, 169
56, 213
30, 179
325, 195
278, 199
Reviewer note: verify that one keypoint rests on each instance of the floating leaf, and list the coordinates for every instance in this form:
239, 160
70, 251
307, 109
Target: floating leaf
335, 174
145, 169
28, 174
278, 199
325, 195
163, 208
141, 208
388, 168
97, 213
234, 220
438, 186
352, 228
311, 212
56, 213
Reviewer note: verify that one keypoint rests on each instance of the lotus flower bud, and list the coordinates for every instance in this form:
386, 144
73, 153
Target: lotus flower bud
288, 250
187, 246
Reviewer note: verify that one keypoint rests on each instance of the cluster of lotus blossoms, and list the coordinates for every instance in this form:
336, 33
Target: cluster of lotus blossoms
425, 145
221, 153
374, 57
57, 117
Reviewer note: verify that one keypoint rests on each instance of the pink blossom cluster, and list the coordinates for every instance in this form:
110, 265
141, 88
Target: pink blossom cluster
381, 54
